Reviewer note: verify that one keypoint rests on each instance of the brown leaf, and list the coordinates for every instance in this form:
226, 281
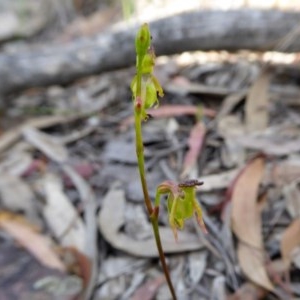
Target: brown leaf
290, 240
251, 291
252, 263
246, 223
230, 188
179, 110
244, 206
195, 143
167, 111
34, 242
257, 115
148, 290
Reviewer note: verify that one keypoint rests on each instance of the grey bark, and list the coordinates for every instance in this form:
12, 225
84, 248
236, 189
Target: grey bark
199, 30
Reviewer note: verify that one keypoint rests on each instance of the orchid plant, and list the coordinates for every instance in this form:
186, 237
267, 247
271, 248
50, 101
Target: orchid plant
182, 203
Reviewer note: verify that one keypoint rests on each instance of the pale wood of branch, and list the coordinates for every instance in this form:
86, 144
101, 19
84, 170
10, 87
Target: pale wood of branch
199, 30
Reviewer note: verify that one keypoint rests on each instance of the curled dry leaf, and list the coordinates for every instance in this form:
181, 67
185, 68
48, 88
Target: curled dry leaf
195, 142
246, 223
32, 241
290, 241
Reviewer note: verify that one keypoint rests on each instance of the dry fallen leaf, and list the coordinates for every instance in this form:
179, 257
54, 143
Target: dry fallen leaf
218, 181
60, 214
252, 262
246, 223
46, 144
257, 115
290, 241
167, 111
34, 242
195, 142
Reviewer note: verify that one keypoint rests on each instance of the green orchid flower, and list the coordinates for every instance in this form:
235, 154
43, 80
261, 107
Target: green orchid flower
182, 203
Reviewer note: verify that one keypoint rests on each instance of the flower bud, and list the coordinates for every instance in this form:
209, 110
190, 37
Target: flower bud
142, 40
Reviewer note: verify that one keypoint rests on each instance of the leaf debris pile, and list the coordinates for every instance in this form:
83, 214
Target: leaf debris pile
72, 215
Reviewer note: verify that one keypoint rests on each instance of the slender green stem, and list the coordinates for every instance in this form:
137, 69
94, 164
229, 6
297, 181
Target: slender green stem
152, 213
140, 157
154, 222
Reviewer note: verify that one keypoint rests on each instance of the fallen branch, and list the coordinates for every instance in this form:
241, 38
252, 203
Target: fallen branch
201, 30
